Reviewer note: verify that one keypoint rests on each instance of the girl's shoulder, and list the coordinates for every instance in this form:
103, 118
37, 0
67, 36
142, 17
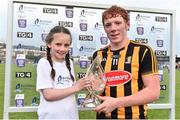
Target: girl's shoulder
43, 61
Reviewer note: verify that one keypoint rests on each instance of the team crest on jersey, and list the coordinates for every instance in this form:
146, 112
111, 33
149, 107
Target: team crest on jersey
128, 60
118, 77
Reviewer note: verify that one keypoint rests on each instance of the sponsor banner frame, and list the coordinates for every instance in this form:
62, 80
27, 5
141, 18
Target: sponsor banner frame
163, 44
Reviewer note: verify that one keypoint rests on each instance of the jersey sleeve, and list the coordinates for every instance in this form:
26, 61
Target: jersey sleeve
149, 62
44, 79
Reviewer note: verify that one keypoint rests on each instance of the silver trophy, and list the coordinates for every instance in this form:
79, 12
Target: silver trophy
97, 77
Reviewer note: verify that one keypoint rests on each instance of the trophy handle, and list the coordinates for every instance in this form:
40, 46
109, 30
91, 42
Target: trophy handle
92, 99
96, 75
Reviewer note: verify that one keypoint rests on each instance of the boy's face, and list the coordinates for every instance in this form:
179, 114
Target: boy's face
116, 29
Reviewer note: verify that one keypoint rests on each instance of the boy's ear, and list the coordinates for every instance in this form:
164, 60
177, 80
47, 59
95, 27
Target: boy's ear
49, 45
128, 25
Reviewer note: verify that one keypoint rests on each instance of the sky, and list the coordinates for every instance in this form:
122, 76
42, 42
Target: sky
150, 4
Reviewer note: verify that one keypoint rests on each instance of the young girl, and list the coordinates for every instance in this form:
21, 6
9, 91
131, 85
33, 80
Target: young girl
55, 78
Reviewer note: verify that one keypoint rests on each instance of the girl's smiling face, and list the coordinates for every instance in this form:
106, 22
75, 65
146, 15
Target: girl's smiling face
60, 46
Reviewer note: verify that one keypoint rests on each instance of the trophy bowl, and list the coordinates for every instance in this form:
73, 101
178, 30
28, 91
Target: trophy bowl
98, 82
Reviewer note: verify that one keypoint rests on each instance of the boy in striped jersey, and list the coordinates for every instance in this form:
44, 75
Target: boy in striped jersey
130, 68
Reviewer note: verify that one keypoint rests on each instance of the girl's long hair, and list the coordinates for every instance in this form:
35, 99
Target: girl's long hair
49, 39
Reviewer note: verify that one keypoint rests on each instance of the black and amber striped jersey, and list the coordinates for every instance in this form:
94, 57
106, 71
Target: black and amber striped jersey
124, 69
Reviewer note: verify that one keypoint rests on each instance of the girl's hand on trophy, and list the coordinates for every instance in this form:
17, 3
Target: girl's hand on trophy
82, 83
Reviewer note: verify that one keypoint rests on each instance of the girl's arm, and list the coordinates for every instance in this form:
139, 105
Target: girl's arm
52, 94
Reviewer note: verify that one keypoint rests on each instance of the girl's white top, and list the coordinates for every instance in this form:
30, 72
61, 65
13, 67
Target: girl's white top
65, 108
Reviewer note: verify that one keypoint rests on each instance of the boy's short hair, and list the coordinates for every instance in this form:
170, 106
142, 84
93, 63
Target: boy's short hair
115, 11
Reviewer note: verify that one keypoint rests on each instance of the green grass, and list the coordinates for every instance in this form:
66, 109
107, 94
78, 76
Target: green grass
28, 84
2, 90
177, 97
28, 89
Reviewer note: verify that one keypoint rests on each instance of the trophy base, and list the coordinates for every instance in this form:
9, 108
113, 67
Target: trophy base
91, 103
